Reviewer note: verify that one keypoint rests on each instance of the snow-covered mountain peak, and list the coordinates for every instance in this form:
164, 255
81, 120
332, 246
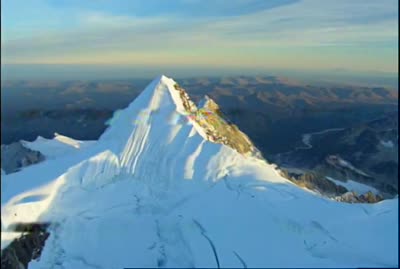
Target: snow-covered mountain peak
164, 102
172, 185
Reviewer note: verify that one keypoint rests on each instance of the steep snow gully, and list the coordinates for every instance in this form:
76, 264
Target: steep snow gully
154, 192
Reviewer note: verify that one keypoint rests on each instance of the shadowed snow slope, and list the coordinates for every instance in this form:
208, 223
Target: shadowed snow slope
152, 192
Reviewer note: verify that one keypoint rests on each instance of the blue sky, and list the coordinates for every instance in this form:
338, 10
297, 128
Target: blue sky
356, 35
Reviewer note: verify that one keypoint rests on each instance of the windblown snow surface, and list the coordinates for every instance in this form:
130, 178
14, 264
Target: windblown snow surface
152, 192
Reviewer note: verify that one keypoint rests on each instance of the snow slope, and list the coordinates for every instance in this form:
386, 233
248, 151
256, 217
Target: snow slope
58, 146
152, 192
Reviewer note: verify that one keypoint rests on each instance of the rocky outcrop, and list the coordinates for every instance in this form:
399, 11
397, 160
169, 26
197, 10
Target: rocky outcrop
15, 156
28, 247
189, 106
316, 182
215, 125
352, 197
348, 197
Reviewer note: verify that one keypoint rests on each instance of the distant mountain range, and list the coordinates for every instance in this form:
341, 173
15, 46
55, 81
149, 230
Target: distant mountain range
366, 152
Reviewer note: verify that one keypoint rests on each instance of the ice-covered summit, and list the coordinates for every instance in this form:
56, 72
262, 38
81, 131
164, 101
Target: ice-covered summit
168, 185
165, 97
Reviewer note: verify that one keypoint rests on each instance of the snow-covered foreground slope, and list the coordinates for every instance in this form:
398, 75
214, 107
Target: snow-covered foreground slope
151, 192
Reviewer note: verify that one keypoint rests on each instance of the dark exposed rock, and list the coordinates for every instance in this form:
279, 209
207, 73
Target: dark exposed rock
15, 156
26, 248
315, 181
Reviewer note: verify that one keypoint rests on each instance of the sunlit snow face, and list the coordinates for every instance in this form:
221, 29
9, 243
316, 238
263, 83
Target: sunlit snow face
142, 116
115, 116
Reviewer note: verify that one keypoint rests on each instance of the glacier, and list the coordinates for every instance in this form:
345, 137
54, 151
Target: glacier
153, 191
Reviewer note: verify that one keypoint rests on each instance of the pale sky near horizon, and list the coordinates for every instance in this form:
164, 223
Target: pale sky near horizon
356, 35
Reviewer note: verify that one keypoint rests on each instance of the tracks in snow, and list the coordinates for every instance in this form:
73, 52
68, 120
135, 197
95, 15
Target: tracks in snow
204, 234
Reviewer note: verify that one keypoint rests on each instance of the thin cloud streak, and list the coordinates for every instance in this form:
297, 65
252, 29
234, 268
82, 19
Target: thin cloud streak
370, 26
